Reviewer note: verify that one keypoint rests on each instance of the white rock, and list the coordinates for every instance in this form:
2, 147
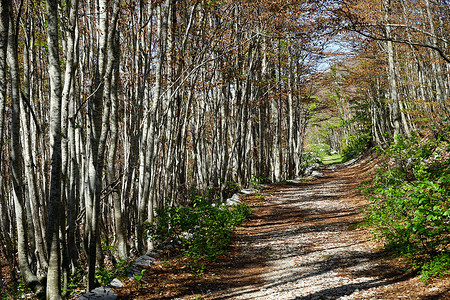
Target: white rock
316, 174
308, 171
144, 260
350, 162
116, 284
234, 200
293, 181
99, 293
248, 191
186, 235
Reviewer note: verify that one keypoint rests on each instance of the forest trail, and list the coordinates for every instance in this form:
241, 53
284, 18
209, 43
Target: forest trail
302, 242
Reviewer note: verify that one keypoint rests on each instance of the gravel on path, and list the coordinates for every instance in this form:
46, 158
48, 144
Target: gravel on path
313, 248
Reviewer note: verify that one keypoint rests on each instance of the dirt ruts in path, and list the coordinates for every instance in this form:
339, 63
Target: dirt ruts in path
303, 242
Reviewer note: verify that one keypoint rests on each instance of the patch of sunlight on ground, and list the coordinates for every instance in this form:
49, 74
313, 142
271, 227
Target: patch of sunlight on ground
332, 159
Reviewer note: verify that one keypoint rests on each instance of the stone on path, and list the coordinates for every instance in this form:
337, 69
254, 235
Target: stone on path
234, 200
144, 260
316, 174
248, 191
116, 284
296, 180
103, 293
310, 169
106, 293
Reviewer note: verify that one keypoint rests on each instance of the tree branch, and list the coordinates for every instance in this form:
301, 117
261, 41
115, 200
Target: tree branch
399, 41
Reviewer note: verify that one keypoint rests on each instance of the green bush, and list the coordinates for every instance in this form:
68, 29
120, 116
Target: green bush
355, 145
17, 290
105, 275
230, 188
258, 180
410, 207
203, 229
309, 158
436, 267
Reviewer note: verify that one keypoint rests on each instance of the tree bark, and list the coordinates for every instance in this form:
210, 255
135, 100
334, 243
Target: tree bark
16, 160
55, 205
391, 72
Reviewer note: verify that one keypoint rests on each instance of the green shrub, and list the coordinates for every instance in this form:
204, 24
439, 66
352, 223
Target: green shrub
410, 207
17, 290
436, 267
309, 158
355, 145
258, 180
320, 150
230, 188
203, 229
105, 275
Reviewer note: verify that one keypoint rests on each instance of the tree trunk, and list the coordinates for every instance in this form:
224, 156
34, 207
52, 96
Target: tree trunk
391, 72
55, 205
16, 161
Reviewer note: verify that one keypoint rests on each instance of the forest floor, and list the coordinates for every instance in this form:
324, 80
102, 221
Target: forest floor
302, 242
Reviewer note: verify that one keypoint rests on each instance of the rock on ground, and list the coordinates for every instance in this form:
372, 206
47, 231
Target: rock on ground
106, 293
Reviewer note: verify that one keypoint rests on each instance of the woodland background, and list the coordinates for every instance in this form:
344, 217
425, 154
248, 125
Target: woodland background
112, 109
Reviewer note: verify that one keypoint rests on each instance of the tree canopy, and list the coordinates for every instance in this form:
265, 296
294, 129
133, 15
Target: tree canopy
111, 110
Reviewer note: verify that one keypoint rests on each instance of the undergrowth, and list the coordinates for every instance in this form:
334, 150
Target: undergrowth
204, 230
354, 145
410, 206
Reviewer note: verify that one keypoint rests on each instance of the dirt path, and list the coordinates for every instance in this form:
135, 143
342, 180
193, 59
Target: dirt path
302, 242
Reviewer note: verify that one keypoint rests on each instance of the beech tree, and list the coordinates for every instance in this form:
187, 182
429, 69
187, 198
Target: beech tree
117, 108
408, 63
55, 200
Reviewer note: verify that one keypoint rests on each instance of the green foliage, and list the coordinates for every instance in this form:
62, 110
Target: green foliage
105, 275
211, 3
309, 158
203, 229
332, 159
229, 189
410, 207
436, 267
355, 145
15, 291
224, 191
76, 281
139, 276
259, 196
320, 150
257, 180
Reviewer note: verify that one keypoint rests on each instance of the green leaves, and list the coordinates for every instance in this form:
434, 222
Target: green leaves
355, 145
139, 276
410, 207
436, 267
204, 230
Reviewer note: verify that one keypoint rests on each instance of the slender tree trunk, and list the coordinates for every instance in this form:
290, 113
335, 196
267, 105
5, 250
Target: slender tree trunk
290, 143
115, 195
55, 205
16, 161
69, 164
5, 238
391, 72
29, 130
99, 122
